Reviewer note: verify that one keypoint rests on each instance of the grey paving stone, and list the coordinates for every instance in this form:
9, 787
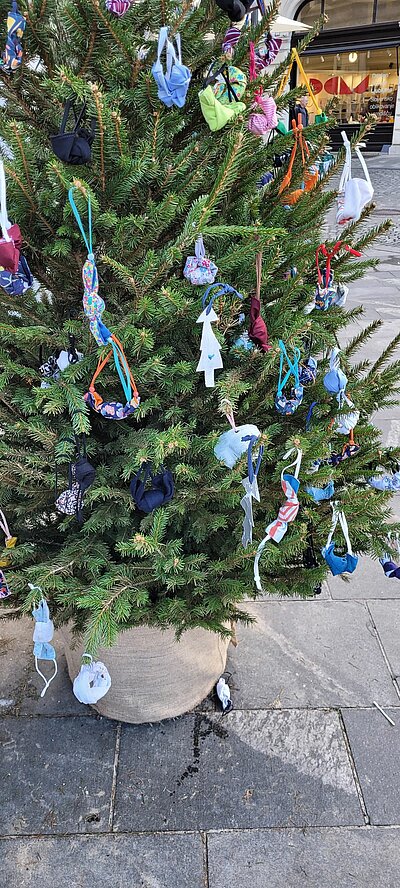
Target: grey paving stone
102, 861
386, 615
308, 653
346, 858
247, 769
55, 774
20, 685
375, 745
367, 582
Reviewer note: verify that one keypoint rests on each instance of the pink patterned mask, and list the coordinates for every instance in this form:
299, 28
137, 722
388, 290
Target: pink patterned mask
264, 122
119, 7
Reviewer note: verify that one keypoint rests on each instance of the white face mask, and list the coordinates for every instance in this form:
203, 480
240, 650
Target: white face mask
92, 682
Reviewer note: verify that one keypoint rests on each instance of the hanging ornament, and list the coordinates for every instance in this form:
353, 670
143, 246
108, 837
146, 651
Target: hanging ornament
258, 332
119, 7
198, 269
13, 53
42, 635
287, 513
390, 568
233, 444
250, 485
335, 381
339, 564
287, 406
210, 349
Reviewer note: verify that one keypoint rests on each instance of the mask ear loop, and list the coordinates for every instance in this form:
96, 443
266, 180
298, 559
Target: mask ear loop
4, 526
47, 682
227, 407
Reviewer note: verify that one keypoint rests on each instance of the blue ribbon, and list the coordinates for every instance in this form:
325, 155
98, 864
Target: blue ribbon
293, 367
88, 243
225, 289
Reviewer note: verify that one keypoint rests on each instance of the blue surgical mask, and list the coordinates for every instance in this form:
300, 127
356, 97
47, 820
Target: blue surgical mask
42, 635
339, 564
321, 493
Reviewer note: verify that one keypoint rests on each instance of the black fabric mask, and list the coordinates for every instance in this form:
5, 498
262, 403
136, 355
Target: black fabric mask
160, 492
74, 147
235, 9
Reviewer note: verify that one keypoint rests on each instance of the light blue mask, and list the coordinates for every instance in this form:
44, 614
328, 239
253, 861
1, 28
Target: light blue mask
42, 634
321, 493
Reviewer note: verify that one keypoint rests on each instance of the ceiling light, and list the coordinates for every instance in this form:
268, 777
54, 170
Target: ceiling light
353, 57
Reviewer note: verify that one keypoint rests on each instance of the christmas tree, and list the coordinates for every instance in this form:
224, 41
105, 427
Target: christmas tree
157, 177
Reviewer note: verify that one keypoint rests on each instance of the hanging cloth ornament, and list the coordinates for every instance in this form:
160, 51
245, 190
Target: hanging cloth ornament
258, 332
81, 475
114, 409
210, 349
287, 513
17, 284
287, 406
173, 83
235, 9
160, 491
229, 84
11, 240
233, 444
93, 304
198, 269
74, 147
13, 53
328, 293
42, 635
337, 563
294, 57
250, 485
354, 194
335, 381
92, 682
119, 7
260, 124
310, 177
215, 112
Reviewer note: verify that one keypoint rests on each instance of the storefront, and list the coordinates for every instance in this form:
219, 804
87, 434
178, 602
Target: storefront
355, 57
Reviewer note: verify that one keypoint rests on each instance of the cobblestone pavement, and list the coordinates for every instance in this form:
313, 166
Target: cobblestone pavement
299, 785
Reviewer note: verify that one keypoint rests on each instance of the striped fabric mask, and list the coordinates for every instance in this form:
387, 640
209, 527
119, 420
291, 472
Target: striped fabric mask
287, 513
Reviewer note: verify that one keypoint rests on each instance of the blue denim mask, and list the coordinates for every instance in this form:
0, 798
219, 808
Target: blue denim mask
339, 564
321, 493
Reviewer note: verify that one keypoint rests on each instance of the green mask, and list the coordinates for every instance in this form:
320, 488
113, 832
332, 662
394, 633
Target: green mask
216, 114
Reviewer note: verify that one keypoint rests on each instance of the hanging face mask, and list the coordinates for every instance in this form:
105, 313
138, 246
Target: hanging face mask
13, 53
321, 493
92, 682
81, 476
11, 240
386, 482
119, 7
335, 381
339, 564
16, 284
160, 491
233, 444
224, 695
250, 485
287, 513
74, 147
217, 113
93, 304
42, 635
173, 83
345, 422
58, 362
258, 332
328, 293
354, 194
198, 269
308, 372
114, 409
228, 84
288, 406
390, 568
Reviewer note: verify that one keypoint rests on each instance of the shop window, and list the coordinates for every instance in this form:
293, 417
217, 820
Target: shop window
365, 83
310, 12
388, 11
342, 14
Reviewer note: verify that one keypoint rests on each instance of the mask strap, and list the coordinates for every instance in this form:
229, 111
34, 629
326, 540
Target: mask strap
225, 289
128, 379
363, 164
4, 526
227, 407
335, 518
252, 62
199, 247
87, 240
309, 414
346, 172
296, 462
345, 529
253, 471
162, 39
47, 682
293, 367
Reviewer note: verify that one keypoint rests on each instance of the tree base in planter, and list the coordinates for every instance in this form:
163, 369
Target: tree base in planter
154, 676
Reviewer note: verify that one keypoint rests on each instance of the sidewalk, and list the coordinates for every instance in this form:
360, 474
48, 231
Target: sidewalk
298, 786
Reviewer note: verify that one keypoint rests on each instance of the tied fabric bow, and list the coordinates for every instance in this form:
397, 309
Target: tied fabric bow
287, 513
93, 304
13, 53
42, 635
250, 485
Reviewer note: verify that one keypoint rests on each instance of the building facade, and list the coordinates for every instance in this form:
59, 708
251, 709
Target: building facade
356, 57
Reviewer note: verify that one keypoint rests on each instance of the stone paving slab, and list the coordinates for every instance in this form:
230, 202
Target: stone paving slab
246, 769
20, 685
308, 653
345, 858
86, 862
375, 746
367, 582
55, 774
386, 616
